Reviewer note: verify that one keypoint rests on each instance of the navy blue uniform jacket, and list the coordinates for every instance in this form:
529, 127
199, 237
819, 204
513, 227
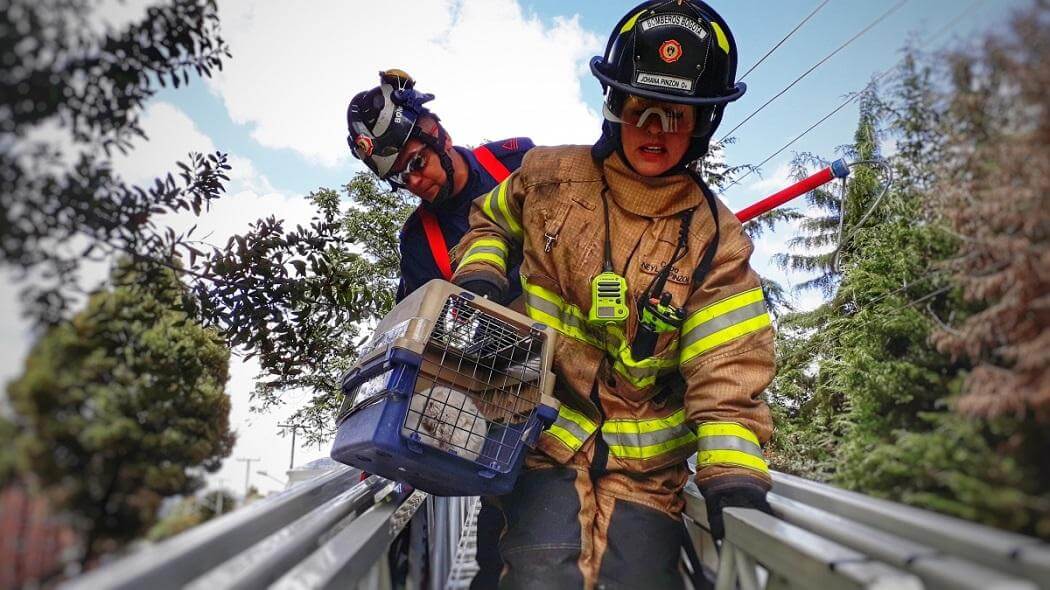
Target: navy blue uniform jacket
417, 262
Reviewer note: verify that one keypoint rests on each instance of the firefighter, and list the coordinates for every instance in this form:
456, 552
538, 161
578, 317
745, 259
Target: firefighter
666, 342
404, 143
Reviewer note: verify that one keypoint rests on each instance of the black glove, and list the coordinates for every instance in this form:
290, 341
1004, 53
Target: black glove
737, 496
484, 288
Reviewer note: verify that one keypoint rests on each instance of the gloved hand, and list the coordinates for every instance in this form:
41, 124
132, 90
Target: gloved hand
483, 288
740, 496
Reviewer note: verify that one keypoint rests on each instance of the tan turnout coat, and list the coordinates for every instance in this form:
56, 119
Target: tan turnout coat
701, 390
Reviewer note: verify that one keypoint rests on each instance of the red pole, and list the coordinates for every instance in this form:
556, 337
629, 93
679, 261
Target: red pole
837, 169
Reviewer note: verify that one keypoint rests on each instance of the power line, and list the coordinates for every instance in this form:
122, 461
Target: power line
852, 97
856, 36
786, 37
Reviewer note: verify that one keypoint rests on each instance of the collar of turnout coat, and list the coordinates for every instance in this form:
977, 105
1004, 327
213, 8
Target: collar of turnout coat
649, 196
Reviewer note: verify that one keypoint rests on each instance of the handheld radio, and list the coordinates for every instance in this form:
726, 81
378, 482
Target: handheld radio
608, 289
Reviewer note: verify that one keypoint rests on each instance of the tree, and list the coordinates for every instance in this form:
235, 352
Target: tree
69, 97
119, 407
302, 300
994, 192
862, 396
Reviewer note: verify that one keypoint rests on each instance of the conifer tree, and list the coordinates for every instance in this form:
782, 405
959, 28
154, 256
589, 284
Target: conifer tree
122, 406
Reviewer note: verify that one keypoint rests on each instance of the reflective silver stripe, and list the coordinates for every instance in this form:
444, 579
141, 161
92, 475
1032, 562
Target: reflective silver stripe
387, 114
536, 302
486, 250
645, 439
734, 443
491, 208
724, 321
573, 428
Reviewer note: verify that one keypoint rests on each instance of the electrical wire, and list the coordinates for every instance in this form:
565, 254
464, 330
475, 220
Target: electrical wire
842, 213
849, 41
786, 37
853, 96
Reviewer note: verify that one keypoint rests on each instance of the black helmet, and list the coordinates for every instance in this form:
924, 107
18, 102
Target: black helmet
381, 120
678, 51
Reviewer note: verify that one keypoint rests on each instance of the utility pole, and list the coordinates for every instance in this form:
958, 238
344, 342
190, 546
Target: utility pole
247, 472
295, 428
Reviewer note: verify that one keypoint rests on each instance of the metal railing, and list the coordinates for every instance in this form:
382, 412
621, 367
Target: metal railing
825, 537
334, 531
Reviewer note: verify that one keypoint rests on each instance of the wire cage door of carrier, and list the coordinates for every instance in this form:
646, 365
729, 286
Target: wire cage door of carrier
448, 393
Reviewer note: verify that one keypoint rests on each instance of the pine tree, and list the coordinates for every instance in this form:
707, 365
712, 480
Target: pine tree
122, 406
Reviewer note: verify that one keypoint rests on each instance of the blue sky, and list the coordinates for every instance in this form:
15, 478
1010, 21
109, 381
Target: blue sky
756, 25
499, 68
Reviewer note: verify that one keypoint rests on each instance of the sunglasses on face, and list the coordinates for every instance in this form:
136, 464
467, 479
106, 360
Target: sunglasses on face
415, 164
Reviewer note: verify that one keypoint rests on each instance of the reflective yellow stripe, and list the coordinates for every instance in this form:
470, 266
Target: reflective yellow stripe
501, 201
729, 443
486, 257
645, 439
648, 452
496, 208
566, 437
701, 346
737, 458
640, 374
649, 425
723, 41
490, 243
722, 322
627, 26
724, 306
572, 428
548, 307
577, 418
726, 429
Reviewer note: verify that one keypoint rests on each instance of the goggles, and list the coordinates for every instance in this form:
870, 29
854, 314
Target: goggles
674, 118
416, 163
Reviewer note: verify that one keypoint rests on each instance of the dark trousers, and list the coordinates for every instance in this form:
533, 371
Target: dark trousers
559, 530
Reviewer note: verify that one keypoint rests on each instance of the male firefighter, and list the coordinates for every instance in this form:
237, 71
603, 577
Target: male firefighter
405, 144
666, 343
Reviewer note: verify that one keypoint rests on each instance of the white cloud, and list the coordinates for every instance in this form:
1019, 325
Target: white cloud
779, 179
495, 71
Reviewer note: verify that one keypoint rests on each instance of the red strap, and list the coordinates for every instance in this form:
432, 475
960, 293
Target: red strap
491, 164
436, 241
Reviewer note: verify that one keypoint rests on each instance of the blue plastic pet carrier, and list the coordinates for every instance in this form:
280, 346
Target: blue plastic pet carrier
448, 393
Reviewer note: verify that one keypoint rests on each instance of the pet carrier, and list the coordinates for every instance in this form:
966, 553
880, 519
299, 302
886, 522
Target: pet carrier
447, 394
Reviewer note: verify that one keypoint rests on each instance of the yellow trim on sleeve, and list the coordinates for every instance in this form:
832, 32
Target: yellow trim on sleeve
722, 307
485, 257
721, 337
725, 429
729, 457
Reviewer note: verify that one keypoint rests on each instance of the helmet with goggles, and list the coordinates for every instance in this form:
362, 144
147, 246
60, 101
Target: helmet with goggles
380, 122
669, 51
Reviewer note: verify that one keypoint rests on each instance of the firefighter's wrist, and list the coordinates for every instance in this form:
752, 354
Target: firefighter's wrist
738, 493
482, 287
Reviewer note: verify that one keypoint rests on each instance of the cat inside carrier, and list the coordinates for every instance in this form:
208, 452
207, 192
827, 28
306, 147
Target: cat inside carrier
448, 394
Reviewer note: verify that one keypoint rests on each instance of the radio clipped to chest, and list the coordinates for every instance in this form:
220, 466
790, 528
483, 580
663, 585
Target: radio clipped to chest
608, 299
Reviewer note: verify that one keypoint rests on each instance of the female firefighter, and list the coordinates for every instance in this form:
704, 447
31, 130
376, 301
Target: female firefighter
666, 344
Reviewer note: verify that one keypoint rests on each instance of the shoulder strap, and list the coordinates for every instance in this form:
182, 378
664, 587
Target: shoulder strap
709, 255
491, 163
436, 241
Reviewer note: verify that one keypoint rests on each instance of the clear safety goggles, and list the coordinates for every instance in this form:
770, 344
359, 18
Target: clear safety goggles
637, 112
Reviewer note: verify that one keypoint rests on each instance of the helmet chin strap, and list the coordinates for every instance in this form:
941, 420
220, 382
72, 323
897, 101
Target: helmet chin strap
437, 145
